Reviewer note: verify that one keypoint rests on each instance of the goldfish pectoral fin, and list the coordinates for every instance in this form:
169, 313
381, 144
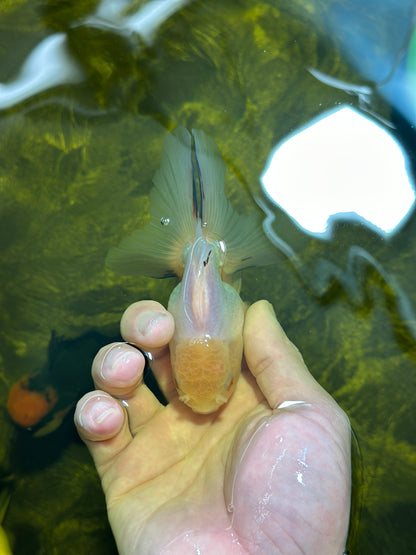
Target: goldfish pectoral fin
54, 423
48, 428
184, 398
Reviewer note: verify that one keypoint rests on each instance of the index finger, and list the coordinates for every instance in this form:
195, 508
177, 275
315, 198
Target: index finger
149, 326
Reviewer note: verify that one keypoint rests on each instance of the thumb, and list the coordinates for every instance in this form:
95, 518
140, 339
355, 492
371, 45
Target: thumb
274, 361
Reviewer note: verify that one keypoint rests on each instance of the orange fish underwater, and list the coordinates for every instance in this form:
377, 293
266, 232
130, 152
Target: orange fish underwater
26, 406
195, 234
42, 399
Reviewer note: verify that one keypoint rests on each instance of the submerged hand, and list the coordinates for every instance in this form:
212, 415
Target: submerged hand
268, 473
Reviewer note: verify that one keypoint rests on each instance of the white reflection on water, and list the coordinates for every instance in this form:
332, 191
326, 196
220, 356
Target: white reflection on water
377, 38
48, 65
51, 64
342, 166
145, 21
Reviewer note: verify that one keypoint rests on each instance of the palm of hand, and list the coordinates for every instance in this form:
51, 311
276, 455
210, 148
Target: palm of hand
246, 479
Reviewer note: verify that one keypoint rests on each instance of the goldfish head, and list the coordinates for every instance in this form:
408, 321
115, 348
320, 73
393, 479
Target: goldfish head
205, 373
28, 407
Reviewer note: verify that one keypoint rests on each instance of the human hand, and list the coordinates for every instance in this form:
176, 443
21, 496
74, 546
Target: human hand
267, 473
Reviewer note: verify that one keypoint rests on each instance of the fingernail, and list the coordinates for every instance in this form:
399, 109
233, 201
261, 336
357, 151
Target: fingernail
147, 319
96, 410
120, 362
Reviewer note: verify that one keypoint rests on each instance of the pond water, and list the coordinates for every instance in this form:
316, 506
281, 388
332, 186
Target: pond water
88, 92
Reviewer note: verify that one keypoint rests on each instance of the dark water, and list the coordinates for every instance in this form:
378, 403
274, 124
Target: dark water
76, 162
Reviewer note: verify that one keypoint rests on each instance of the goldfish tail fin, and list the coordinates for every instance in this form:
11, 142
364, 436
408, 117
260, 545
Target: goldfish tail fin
243, 236
156, 250
247, 245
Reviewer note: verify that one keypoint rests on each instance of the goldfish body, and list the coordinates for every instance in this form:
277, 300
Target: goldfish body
195, 233
27, 406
